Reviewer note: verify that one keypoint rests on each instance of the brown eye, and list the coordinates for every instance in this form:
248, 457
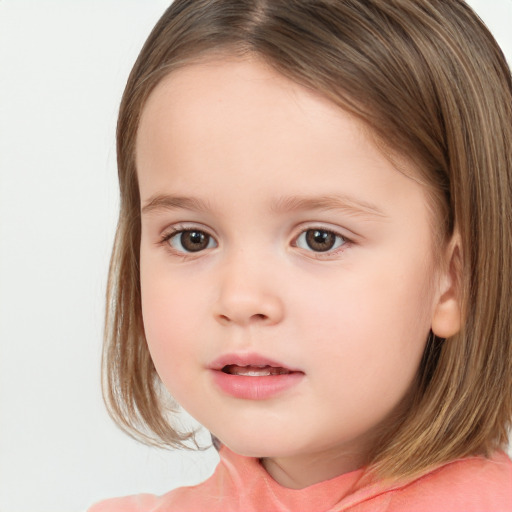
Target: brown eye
191, 240
319, 240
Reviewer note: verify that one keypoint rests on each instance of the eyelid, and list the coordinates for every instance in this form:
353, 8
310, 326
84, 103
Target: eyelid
186, 226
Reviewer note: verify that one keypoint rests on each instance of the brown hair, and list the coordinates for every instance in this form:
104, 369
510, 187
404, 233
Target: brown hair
429, 80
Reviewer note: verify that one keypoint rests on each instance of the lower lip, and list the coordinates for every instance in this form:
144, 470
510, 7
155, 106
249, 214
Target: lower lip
255, 388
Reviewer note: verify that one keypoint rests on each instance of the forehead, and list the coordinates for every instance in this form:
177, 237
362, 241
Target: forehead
244, 100
211, 76
204, 92
223, 92
241, 122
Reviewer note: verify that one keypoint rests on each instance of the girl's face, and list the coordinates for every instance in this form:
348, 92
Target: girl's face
287, 272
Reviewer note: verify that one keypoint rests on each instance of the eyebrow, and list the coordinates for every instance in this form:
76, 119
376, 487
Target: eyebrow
162, 202
344, 203
285, 204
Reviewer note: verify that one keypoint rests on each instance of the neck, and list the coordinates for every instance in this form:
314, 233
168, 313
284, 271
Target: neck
299, 472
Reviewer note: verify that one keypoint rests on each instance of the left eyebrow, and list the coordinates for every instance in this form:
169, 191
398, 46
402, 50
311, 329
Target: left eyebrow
344, 203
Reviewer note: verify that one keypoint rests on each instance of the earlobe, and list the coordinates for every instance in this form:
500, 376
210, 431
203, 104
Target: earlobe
447, 317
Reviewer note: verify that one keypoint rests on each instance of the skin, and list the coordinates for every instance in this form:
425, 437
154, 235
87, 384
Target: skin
261, 160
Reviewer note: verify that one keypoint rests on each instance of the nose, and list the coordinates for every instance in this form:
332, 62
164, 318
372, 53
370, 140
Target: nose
248, 295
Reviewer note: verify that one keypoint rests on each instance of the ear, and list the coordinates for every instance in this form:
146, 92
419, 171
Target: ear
447, 317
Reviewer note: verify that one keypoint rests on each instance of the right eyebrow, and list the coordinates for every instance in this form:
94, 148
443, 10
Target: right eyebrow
163, 202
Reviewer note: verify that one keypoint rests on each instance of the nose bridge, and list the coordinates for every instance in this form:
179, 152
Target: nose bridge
247, 291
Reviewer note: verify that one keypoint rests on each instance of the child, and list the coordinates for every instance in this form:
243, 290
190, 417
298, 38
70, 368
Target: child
314, 255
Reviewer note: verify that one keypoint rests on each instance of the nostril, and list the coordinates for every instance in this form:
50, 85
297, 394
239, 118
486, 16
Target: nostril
257, 317
247, 308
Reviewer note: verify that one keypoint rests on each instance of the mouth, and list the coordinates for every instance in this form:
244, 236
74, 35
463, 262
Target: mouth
255, 370
250, 365
253, 377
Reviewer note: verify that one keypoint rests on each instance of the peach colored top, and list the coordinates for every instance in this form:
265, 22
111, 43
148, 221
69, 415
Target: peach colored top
241, 484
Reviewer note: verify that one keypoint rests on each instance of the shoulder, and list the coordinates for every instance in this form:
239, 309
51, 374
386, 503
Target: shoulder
206, 496
182, 499
137, 503
219, 492
474, 484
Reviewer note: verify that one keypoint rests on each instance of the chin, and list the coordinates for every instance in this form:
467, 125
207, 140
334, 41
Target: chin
262, 444
253, 444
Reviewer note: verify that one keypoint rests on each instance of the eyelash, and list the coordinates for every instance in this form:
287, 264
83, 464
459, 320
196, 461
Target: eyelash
340, 241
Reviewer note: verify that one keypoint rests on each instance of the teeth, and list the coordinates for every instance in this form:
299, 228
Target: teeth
254, 370
249, 373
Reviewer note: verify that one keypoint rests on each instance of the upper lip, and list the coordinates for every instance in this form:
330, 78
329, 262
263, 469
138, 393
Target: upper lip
247, 360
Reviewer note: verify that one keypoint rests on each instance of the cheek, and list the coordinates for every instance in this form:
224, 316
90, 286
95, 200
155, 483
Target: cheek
371, 323
168, 313
389, 297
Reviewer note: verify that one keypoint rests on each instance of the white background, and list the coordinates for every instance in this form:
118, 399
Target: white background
63, 65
